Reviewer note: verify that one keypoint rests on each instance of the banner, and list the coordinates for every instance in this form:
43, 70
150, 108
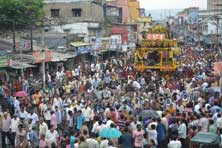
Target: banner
39, 56
155, 36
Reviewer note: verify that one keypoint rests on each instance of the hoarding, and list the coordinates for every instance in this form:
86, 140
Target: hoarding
115, 41
23, 44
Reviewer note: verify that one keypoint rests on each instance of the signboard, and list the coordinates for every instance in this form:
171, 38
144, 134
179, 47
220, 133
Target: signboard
4, 58
144, 19
23, 44
155, 36
102, 44
124, 48
83, 49
132, 37
98, 43
39, 56
115, 41
4, 61
105, 44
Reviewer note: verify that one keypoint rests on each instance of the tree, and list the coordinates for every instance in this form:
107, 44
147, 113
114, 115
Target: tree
23, 12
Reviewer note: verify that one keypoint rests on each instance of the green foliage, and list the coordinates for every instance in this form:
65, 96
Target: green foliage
23, 12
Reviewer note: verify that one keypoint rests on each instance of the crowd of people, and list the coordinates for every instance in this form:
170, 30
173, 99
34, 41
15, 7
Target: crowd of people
111, 95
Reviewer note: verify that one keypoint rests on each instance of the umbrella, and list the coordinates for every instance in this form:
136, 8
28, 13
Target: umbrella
149, 113
206, 138
111, 133
21, 94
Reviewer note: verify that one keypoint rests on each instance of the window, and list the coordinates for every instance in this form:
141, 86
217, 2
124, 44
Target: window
76, 12
54, 12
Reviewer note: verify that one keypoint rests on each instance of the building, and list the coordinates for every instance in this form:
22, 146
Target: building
72, 11
210, 20
83, 18
123, 9
113, 14
134, 7
215, 6
143, 24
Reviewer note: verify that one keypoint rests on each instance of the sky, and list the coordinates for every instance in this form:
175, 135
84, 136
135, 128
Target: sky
172, 4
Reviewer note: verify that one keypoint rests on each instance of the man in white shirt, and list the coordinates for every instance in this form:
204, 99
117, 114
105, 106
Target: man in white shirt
52, 136
94, 127
104, 143
182, 131
33, 116
17, 105
43, 128
46, 113
109, 122
174, 143
219, 122
88, 113
92, 143
14, 128
23, 113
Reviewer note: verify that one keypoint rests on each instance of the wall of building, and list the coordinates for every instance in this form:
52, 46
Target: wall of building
209, 28
215, 5
125, 9
134, 6
90, 12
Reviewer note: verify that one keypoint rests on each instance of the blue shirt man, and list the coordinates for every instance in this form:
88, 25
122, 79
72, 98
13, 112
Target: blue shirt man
80, 120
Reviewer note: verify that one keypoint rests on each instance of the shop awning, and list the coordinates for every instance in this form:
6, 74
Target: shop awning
78, 44
21, 66
56, 56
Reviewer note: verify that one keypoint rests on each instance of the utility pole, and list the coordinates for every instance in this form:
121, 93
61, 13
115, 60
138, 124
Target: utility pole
31, 38
43, 58
199, 25
13, 31
20, 53
218, 34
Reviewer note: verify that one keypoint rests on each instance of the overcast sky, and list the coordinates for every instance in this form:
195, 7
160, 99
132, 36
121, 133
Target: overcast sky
172, 4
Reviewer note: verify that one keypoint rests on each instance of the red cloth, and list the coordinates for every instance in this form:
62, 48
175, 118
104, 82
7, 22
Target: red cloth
113, 116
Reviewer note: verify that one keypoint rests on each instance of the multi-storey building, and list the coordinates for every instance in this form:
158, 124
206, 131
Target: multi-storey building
215, 6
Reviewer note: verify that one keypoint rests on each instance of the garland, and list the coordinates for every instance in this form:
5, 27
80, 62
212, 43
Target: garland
139, 55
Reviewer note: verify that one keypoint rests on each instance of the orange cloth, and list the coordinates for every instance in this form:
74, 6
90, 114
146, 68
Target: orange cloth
37, 98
